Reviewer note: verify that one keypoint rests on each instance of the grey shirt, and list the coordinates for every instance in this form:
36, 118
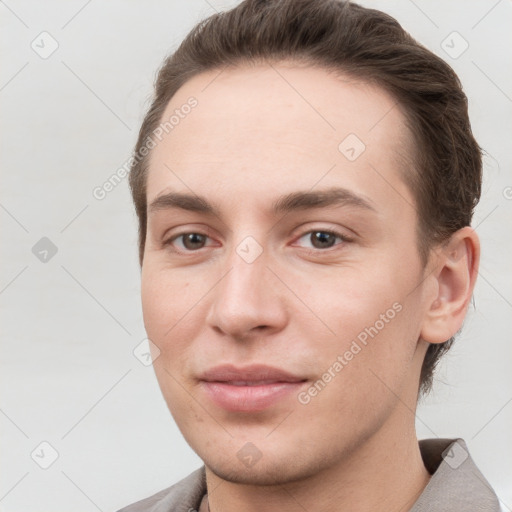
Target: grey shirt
456, 485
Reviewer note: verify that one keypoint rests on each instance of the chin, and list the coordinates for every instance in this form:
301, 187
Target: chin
276, 465
268, 473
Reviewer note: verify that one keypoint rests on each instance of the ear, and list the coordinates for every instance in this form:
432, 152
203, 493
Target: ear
455, 271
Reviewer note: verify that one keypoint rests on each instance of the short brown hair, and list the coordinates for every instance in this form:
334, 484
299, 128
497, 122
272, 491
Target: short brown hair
363, 43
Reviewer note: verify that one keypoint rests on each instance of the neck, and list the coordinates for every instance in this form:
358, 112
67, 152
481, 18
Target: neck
386, 472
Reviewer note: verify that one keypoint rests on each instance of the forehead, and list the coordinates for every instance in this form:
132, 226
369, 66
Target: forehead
267, 127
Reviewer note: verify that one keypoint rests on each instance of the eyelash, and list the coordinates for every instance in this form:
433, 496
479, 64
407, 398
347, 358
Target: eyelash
344, 239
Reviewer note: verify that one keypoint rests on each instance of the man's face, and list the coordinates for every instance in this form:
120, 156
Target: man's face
333, 295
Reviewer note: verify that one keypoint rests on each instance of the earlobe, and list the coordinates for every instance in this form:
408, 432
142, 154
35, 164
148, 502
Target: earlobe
455, 275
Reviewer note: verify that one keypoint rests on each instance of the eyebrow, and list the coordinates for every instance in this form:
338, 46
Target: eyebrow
293, 201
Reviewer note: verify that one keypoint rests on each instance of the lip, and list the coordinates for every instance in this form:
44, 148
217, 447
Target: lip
250, 388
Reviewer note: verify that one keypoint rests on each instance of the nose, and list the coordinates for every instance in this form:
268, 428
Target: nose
249, 300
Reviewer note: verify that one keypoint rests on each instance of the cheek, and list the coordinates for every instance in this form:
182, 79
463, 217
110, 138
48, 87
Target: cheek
352, 303
360, 382
167, 308
168, 318
154, 303
375, 324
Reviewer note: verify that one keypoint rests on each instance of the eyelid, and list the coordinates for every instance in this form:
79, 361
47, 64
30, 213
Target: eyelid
336, 232
200, 229
168, 241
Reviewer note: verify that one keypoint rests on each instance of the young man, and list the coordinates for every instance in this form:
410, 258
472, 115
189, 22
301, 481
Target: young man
305, 180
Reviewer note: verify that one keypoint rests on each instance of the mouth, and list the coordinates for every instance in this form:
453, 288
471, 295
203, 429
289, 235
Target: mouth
250, 383
249, 389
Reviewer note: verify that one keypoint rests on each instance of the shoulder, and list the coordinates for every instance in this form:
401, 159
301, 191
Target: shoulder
183, 496
456, 483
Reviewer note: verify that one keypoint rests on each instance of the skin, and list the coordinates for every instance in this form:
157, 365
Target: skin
252, 138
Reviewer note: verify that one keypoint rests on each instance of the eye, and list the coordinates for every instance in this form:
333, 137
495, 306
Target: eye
190, 241
324, 239
319, 238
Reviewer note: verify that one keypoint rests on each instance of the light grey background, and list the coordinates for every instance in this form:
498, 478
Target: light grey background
69, 325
